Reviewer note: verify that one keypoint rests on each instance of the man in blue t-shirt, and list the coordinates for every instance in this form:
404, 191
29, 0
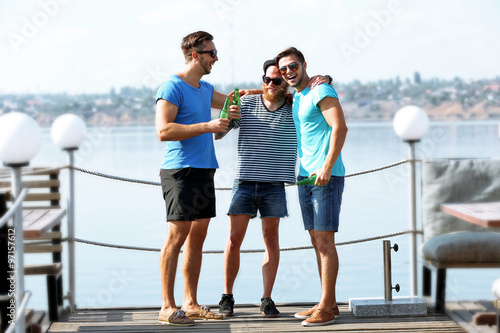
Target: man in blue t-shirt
183, 120
321, 132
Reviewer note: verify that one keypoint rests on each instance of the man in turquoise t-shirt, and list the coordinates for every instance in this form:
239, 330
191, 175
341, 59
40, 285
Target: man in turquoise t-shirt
183, 120
321, 132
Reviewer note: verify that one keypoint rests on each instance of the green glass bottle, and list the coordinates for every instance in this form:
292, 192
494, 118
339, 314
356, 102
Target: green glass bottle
236, 99
224, 113
307, 181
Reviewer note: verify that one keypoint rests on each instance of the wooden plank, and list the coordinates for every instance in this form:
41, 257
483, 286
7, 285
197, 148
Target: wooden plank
462, 312
44, 171
42, 183
484, 214
51, 235
54, 268
55, 248
43, 196
37, 222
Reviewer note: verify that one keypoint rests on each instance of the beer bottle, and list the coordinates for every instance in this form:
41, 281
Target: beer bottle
224, 113
307, 181
236, 99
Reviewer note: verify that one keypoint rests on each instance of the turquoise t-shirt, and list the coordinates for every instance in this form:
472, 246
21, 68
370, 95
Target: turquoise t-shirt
194, 107
313, 132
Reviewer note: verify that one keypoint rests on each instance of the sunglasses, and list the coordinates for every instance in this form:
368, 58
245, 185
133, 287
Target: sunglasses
276, 81
294, 66
213, 53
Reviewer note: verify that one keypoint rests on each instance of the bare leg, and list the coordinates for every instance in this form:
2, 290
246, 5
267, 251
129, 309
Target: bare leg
270, 232
318, 257
191, 262
237, 230
176, 235
325, 244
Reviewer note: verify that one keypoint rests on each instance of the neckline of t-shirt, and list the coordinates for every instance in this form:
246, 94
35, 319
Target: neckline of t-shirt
265, 107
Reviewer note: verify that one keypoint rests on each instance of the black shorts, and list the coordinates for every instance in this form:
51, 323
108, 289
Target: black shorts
189, 193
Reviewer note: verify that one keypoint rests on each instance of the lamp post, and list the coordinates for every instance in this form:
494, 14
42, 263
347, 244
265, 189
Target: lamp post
20, 140
68, 132
410, 124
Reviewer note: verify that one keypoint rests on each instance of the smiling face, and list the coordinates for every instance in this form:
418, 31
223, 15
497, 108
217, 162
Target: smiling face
274, 92
292, 70
205, 59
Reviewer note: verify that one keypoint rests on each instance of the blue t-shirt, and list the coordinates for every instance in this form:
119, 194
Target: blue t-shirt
194, 107
313, 131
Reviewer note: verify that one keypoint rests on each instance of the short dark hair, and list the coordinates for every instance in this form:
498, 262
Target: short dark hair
290, 51
194, 42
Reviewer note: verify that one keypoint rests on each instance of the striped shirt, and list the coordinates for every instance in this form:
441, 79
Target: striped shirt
267, 143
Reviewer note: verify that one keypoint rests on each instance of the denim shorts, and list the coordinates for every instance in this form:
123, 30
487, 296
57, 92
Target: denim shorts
189, 193
249, 196
320, 205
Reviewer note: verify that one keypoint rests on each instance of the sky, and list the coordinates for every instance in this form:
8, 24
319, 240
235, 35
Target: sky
90, 46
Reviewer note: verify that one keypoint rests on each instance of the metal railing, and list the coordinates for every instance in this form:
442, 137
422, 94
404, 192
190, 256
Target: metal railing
71, 238
20, 309
16, 205
21, 297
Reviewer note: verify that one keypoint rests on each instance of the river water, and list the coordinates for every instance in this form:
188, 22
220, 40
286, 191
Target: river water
132, 214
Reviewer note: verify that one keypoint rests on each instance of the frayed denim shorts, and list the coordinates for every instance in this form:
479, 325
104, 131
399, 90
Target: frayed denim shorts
248, 197
320, 205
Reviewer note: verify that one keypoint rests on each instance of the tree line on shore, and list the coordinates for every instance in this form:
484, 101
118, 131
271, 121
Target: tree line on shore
377, 100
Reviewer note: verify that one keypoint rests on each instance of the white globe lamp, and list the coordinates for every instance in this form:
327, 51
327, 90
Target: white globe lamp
68, 131
20, 138
411, 123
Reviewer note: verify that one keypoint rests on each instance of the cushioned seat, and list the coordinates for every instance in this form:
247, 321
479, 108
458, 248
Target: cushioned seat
463, 247
450, 242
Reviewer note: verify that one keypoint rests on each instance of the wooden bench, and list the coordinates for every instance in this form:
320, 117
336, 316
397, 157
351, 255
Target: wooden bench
42, 217
449, 242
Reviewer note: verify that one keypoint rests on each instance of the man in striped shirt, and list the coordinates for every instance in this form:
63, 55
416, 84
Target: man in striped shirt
267, 154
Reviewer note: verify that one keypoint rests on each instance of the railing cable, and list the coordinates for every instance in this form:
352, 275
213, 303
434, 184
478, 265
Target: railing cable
294, 248
147, 182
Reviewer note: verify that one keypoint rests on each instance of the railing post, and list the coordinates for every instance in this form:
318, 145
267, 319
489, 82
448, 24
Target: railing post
4, 256
19, 247
413, 220
71, 229
388, 270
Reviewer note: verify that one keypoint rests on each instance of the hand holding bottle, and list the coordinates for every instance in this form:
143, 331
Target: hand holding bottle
236, 100
313, 180
234, 112
229, 111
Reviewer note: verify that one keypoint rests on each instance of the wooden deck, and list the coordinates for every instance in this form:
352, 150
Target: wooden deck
248, 319
462, 312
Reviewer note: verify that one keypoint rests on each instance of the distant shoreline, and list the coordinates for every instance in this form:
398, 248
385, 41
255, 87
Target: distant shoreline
447, 111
